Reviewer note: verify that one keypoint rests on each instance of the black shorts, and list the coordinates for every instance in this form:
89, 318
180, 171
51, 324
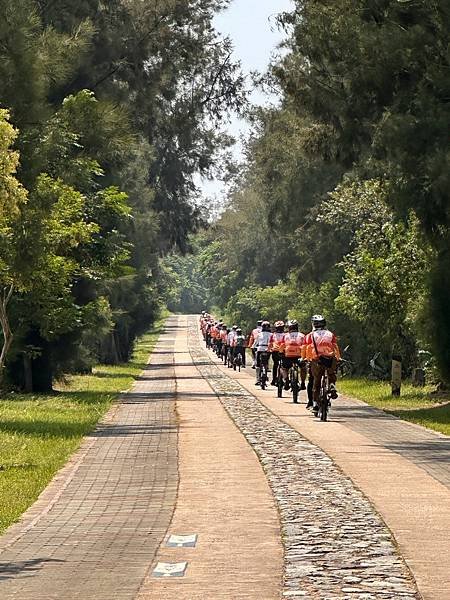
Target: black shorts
287, 361
259, 357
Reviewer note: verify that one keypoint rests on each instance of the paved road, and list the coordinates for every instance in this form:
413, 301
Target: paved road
95, 531
194, 448
403, 469
166, 460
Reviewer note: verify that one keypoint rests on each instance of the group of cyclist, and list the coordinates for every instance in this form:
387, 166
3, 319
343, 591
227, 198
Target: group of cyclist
311, 355
229, 343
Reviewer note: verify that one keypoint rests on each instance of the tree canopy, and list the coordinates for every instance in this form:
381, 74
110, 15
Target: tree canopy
114, 108
342, 204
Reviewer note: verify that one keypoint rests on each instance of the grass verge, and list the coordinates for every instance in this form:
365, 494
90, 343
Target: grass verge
417, 405
38, 433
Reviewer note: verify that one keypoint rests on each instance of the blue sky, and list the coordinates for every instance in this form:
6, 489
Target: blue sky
251, 26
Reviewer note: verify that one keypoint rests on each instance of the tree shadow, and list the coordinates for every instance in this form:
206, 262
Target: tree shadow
24, 568
47, 429
119, 430
118, 374
435, 414
360, 412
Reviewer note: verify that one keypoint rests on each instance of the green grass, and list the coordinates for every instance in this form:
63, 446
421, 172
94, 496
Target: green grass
417, 405
38, 433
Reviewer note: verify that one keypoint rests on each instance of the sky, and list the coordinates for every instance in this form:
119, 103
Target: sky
252, 28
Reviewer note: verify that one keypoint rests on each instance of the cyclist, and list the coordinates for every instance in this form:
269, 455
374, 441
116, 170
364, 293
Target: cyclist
231, 336
261, 346
223, 341
209, 326
218, 346
230, 344
275, 347
322, 351
204, 321
251, 342
239, 345
214, 334
291, 349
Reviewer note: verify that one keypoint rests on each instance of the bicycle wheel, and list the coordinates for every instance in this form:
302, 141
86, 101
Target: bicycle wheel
279, 381
294, 388
280, 387
324, 399
263, 376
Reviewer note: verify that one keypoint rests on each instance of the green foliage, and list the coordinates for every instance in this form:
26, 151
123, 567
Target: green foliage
374, 77
437, 326
13, 197
252, 303
12, 194
119, 107
184, 289
344, 194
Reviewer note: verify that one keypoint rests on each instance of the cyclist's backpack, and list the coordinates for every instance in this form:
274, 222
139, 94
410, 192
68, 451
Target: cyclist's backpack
240, 340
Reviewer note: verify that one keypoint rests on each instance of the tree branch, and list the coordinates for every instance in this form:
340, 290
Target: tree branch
123, 58
215, 80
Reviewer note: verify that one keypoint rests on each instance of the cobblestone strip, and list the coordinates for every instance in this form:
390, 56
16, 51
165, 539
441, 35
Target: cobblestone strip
336, 545
94, 532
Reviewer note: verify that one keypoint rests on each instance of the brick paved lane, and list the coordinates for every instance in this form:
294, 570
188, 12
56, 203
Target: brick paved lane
94, 532
425, 448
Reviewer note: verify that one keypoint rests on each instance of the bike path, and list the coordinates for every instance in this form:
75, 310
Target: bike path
402, 468
165, 460
96, 528
223, 498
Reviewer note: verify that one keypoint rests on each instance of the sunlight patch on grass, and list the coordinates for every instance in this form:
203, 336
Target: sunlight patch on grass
417, 405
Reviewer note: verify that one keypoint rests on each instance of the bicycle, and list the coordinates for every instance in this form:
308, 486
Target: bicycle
379, 370
280, 382
238, 360
321, 411
293, 378
223, 354
229, 361
264, 369
346, 366
208, 341
293, 381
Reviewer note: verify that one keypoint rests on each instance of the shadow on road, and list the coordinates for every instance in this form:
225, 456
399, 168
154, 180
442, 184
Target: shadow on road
25, 568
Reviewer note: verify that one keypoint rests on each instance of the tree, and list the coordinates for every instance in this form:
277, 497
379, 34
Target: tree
375, 78
12, 198
122, 108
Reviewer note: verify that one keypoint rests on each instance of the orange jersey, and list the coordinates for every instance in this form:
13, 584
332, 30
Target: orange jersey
276, 342
293, 343
321, 342
223, 335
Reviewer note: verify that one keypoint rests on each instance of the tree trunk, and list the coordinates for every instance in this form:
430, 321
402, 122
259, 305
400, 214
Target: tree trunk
28, 374
6, 329
42, 369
